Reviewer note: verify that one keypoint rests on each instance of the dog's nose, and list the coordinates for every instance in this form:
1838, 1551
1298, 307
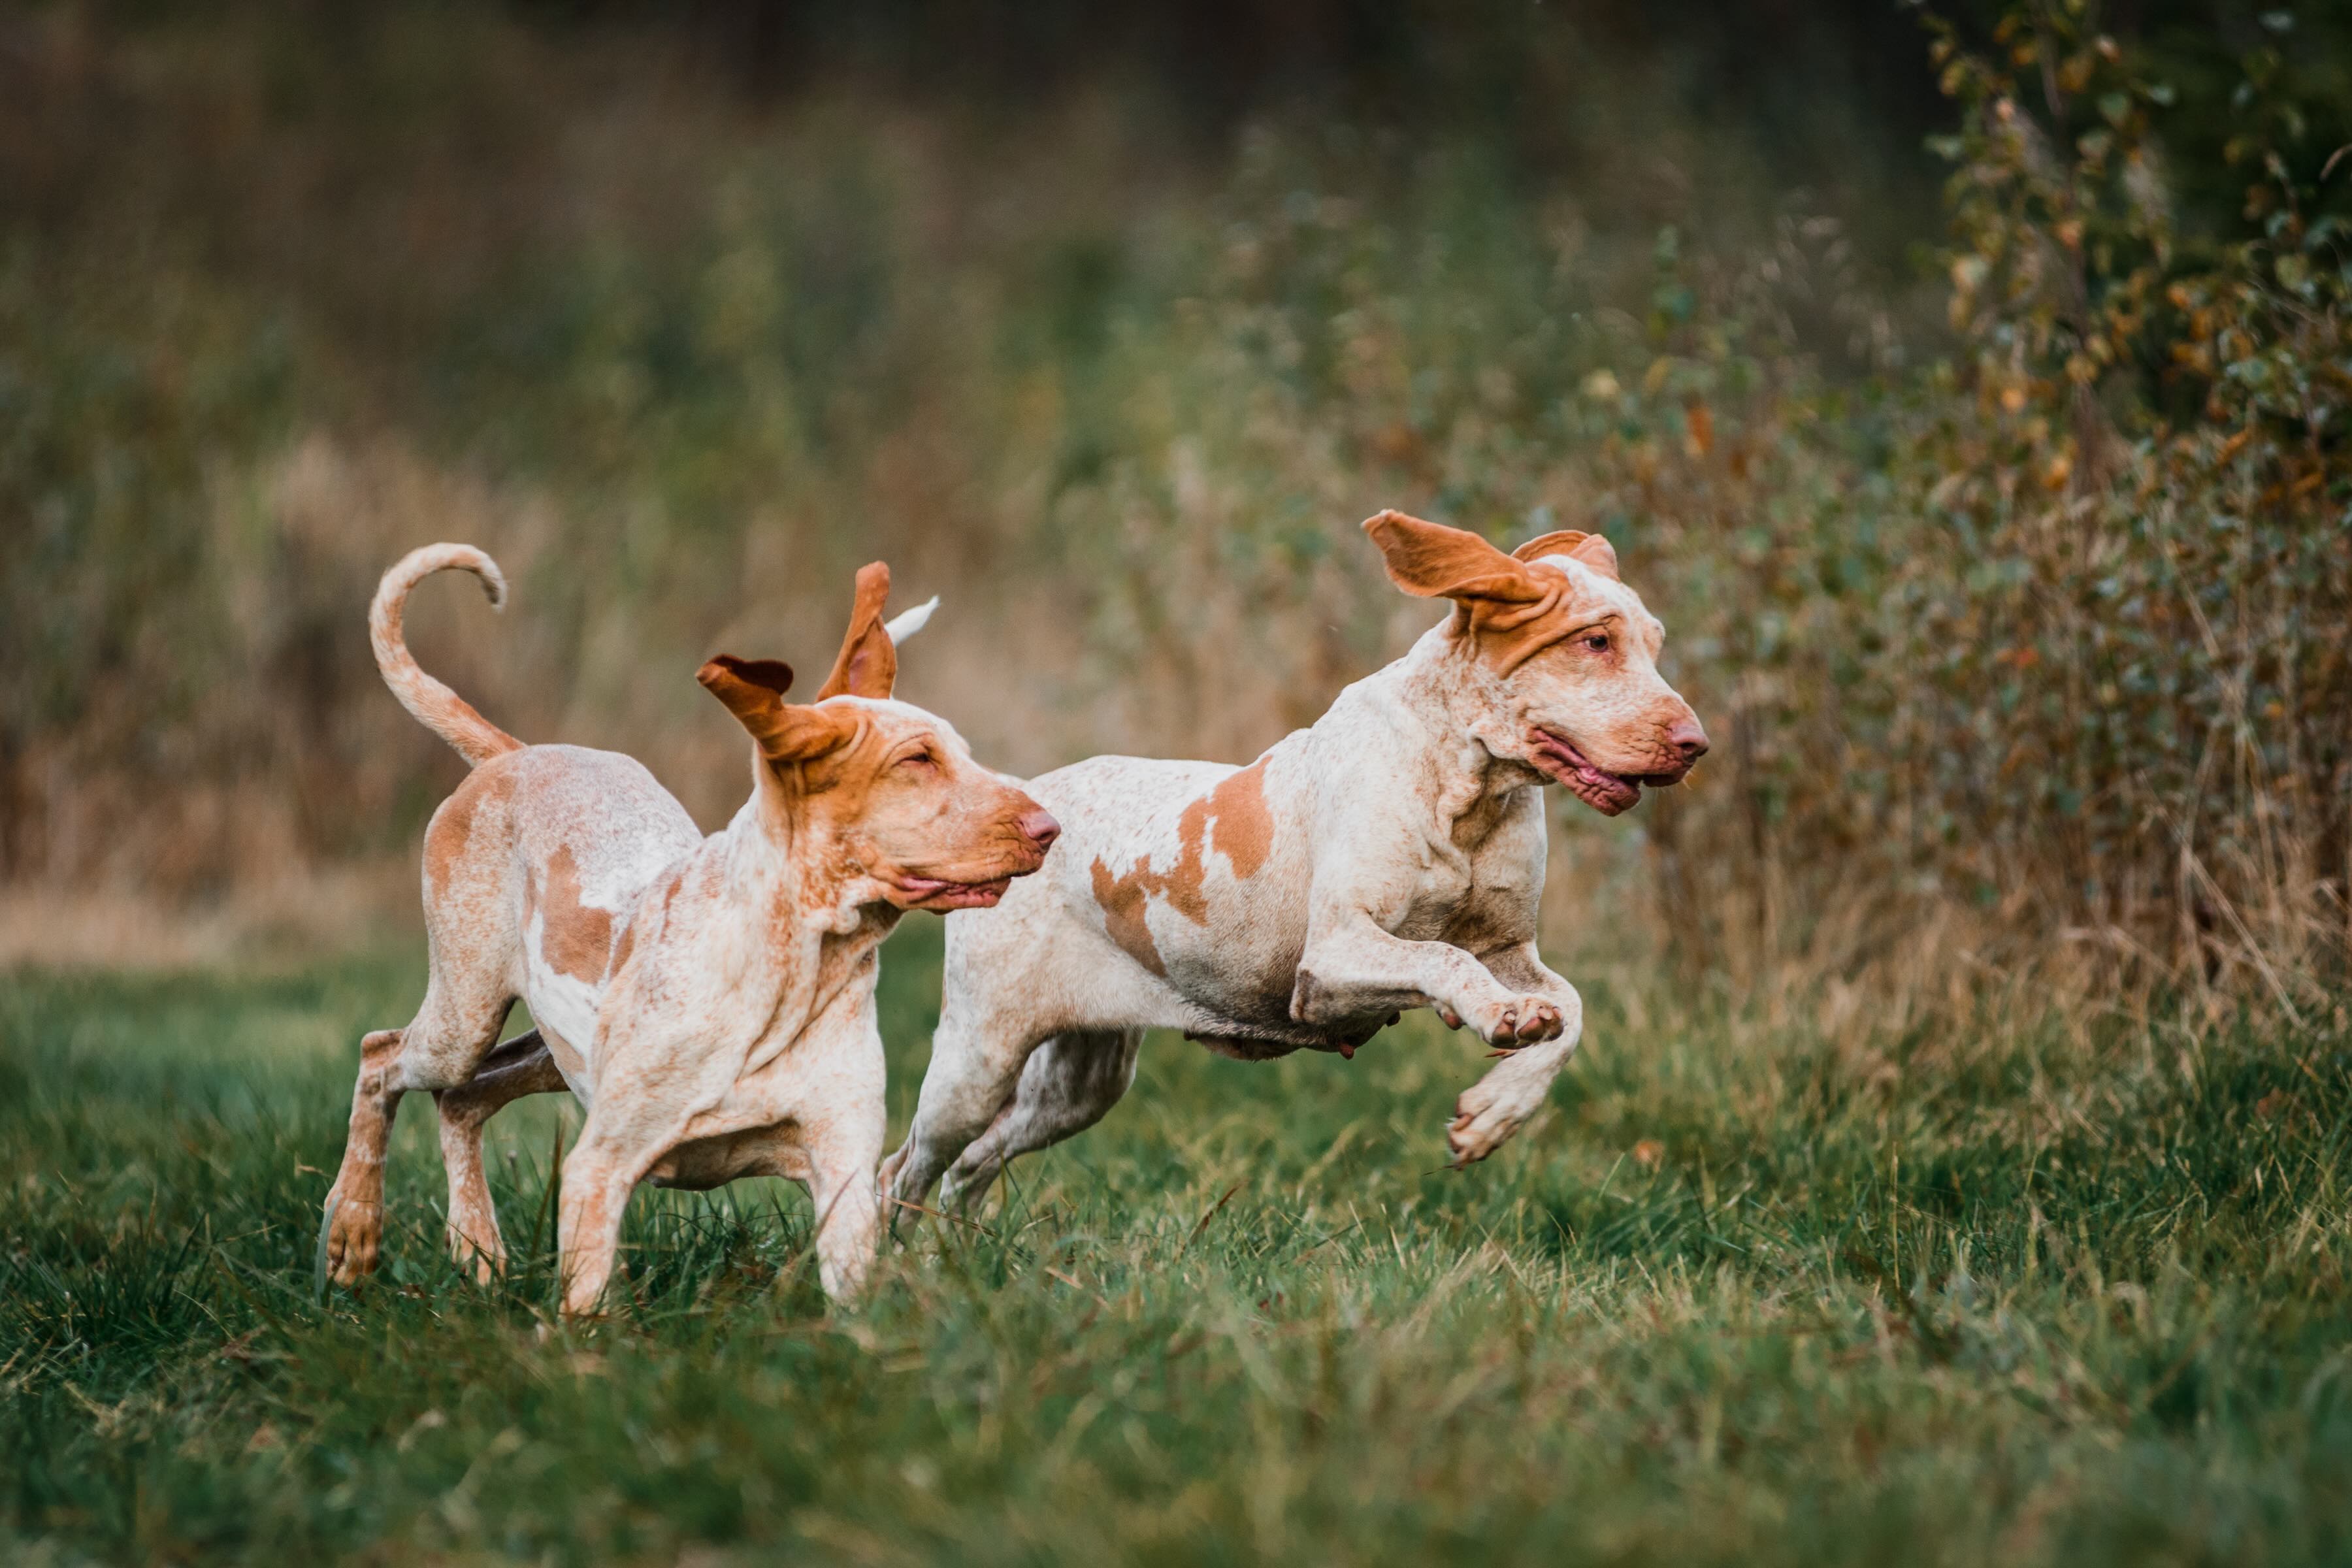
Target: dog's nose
1039, 827
1687, 738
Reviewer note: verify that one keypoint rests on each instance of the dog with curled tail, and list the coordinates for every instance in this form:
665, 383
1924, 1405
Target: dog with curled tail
709, 1001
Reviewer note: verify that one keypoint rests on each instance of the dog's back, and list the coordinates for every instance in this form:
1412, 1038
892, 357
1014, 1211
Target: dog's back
533, 869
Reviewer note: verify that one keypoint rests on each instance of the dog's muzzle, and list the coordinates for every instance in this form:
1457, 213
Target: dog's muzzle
1559, 759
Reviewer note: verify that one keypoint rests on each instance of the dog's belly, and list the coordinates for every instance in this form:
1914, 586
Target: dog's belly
1236, 975
1241, 1007
703, 1163
1250, 1042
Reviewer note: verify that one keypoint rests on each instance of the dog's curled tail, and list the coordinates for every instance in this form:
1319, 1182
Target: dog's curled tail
437, 707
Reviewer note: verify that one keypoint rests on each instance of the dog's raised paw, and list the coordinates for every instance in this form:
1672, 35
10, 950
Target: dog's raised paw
1485, 1117
1520, 1021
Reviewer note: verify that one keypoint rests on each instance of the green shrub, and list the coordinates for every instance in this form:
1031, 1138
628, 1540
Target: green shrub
2017, 621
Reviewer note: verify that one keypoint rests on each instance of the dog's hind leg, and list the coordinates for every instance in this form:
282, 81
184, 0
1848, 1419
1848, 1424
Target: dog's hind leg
974, 1072
355, 1209
1069, 1083
521, 1067
450, 1034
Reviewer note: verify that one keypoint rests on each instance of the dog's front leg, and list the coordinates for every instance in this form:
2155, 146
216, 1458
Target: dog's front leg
523, 1066
848, 1212
1353, 970
843, 1120
1491, 1109
651, 1084
599, 1173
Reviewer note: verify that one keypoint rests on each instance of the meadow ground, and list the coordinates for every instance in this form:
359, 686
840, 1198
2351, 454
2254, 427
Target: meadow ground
2027, 1294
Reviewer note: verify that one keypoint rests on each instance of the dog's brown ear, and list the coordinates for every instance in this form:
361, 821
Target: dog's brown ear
1598, 553
1564, 542
754, 690
1588, 548
749, 686
1430, 559
869, 663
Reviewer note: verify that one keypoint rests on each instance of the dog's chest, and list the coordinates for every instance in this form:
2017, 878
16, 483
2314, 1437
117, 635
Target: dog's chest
1469, 878
1464, 909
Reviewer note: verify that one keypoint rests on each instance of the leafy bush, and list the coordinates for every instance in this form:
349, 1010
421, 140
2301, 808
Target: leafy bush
2015, 621
2113, 677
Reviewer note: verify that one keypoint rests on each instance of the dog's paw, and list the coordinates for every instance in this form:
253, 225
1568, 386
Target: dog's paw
1487, 1114
355, 1237
488, 1262
1516, 1021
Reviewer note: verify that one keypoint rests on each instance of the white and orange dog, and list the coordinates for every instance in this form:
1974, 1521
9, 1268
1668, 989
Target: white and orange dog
709, 1001
1389, 857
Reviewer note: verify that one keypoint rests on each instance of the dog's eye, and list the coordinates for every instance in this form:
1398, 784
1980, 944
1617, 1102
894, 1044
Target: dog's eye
1598, 642
919, 760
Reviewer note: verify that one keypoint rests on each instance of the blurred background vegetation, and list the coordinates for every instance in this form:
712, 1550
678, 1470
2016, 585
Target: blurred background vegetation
1966, 392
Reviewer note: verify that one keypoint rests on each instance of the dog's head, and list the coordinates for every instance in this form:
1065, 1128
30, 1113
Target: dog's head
1563, 657
891, 792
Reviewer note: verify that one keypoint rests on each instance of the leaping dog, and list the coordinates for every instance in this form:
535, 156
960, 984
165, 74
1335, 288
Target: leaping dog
1388, 857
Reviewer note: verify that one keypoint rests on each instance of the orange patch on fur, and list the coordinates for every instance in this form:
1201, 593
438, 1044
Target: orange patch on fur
1243, 829
1122, 899
1509, 634
575, 939
453, 824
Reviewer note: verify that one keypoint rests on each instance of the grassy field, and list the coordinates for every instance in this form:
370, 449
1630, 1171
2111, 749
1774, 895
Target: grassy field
2045, 1293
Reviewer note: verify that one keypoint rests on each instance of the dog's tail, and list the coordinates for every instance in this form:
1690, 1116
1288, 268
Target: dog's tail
437, 707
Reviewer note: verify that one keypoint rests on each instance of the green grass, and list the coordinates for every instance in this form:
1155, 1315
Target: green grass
1977, 1295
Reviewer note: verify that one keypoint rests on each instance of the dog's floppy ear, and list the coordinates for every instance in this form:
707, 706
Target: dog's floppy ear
1598, 553
1588, 548
869, 663
1433, 561
1564, 542
754, 690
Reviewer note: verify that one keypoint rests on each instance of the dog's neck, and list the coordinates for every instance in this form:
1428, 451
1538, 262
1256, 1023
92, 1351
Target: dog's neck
1442, 702
788, 870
